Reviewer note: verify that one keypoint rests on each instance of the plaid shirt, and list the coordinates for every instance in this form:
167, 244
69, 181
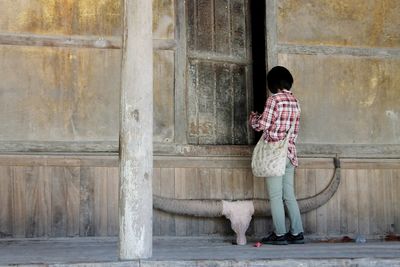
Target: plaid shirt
280, 111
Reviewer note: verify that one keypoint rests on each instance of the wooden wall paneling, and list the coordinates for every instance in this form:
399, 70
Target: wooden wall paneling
248, 184
238, 178
224, 98
343, 203
163, 19
181, 81
192, 191
38, 202
240, 106
300, 190
363, 201
19, 201
215, 192
388, 199
100, 200
309, 189
86, 213
167, 189
381, 201
222, 26
180, 183
377, 202
333, 206
112, 201
193, 184
393, 205
259, 187
157, 192
65, 200
396, 199
180, 193
6, 202
323, 178
215, 183
204, 179
218, 86
351, 193
192, 99
374, 201
259, 191
30, 179
247, 189
227, 184
191, 24
163, 96
73, 200
206, 102
204, 34
57, 200
238, 27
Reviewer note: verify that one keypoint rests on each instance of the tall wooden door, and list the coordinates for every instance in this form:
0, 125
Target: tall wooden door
219, 88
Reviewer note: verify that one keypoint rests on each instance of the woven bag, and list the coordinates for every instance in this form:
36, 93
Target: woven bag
269, 159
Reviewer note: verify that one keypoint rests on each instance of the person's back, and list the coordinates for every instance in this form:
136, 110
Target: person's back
282, 110
287, 110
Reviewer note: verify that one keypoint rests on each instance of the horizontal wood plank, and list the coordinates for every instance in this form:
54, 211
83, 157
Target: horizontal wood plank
79, 41
111, 160
98, 42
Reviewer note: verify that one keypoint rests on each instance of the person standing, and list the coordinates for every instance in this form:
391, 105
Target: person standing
281, 110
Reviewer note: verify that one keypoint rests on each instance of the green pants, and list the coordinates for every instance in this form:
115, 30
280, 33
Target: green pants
281, 190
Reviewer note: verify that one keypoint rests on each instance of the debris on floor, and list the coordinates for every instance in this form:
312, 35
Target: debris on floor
392, 237
344, 239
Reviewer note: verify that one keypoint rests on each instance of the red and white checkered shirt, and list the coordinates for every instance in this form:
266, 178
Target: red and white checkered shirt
279, 112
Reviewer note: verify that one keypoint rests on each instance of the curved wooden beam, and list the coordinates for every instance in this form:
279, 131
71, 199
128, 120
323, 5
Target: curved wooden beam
213, 208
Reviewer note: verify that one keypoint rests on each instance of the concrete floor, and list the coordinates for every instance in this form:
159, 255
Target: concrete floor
196, 252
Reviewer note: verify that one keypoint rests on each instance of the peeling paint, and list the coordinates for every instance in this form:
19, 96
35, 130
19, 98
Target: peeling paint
394, 118
93, 17
135, 115
372, 93
163, 19
356, 99
65, 94
340, 22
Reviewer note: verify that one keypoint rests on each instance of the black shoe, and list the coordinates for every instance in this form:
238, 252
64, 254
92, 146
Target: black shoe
294, 239
273, 239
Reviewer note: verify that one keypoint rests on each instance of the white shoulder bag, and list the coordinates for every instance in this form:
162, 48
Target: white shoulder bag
269, 159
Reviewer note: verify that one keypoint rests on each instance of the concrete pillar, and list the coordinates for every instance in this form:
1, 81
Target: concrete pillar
136, 133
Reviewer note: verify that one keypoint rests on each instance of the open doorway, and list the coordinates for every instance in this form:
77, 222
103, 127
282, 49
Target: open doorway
257, 11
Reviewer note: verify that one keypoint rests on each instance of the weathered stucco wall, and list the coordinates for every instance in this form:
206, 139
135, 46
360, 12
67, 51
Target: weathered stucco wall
347, 99
360, 23
57, 85
345, 57
66, 17
58, 94
52, 92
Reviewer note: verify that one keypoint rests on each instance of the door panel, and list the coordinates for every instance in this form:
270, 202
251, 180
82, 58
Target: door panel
219, 67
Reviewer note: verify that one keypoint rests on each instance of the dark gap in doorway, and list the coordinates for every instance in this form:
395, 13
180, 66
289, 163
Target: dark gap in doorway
257, 11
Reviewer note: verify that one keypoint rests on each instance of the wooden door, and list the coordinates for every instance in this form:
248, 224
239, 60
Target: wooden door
219, 88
